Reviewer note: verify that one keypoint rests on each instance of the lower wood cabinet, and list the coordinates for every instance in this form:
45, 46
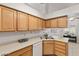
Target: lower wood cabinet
48, 47
61, 48
27, 51
45, 48
53, 47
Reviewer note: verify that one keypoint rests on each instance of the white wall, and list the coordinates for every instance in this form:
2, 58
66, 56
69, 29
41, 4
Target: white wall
77, 30
66, 11
23, 7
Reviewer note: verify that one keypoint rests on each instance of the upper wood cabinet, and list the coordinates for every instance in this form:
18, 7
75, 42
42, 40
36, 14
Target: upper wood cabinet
33, 25
22, 21
39, 24
54, 23
48, 24
12, 20
62, 22
43, 23
8, 19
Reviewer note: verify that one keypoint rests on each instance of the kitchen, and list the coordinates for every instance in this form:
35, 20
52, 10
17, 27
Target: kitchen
26, 30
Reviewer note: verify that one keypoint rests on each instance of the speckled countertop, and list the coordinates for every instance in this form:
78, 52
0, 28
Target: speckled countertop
8, 48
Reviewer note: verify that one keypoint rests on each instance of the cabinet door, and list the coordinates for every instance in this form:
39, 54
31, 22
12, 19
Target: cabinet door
61, 48
8, 19
32, 23
37, 49
27, 53
39, 23
0, 18
54, 23
62, 22
43, 24
48, 47
22, 21
48, 23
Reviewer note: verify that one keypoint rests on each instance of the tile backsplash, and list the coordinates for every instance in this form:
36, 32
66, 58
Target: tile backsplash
57, 32
7, 37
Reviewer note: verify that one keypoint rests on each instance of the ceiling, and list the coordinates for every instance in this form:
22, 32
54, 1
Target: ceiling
45, 8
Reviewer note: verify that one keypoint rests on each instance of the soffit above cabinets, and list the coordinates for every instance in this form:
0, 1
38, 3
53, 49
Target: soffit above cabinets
46, 8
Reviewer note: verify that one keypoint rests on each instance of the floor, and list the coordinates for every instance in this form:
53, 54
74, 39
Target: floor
73, 49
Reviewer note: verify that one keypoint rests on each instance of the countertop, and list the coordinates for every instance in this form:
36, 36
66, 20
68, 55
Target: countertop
60, 39
8, 48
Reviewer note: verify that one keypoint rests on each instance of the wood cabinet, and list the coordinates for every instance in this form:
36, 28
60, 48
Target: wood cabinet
22, 22
33, 25
27, 51
48, 24
54, 23
43, 24
8, 19
12, 20
0, 18
61, 48
39, 24
62, 22
54, 47
48, 47
59, 22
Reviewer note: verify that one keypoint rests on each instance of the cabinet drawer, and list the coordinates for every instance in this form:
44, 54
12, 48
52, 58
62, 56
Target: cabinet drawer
59, 53
27, 53
48, 41
60, 47
60, 50
60, 43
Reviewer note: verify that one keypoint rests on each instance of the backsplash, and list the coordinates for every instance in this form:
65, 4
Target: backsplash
55, 32
7, 37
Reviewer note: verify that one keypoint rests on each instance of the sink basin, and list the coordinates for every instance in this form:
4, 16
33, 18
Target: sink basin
23, 40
